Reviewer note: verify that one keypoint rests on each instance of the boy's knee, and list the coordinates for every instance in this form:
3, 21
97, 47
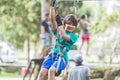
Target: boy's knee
43, 73
52, 70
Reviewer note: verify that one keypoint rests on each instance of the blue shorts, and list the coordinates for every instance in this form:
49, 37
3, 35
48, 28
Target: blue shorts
46, 40
55, 61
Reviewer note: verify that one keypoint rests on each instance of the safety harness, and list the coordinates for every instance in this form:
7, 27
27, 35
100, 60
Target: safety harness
60, 54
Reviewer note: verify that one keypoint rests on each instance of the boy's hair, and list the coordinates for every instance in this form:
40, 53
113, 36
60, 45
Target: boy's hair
70, 18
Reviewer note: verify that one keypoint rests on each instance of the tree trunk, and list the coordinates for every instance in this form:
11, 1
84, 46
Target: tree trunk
28, 47
37, 49
44, 9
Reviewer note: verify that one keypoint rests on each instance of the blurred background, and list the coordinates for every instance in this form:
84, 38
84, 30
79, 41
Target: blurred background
20, 22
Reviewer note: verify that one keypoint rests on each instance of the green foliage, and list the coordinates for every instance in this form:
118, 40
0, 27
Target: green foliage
101, 14
9, 75
114, 18
66, 7
18, 19
99, 26
97, 79
84, 9
104, 21
101, 68
77, 30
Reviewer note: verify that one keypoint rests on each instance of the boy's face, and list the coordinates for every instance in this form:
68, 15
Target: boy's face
69, 26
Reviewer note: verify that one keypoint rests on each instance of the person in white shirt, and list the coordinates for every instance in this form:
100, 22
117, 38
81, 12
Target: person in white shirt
79, 72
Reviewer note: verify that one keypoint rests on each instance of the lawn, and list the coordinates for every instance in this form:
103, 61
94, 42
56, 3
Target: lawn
5, 74
97, 79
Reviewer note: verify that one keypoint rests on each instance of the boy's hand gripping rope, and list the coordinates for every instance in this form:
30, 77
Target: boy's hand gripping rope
52, 3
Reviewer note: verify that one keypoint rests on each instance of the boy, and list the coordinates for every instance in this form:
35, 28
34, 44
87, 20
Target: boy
65, 39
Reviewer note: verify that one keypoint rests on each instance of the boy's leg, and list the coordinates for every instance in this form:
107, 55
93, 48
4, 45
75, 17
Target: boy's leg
51, 73
58, 65
42, 74
45, 67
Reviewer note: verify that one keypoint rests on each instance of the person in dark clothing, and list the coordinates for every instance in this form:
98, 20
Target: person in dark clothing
46, 35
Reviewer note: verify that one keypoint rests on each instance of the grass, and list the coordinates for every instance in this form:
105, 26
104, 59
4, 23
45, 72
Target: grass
6, 74
94, 58
117, 78
17, 74
97, 79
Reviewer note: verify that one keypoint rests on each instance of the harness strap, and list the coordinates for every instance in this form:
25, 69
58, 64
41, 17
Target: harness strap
60, 53
61, 57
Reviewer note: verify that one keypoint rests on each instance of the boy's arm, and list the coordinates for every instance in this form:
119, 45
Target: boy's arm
52, 17
60, 30
75, 10
51, 38
62, 33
